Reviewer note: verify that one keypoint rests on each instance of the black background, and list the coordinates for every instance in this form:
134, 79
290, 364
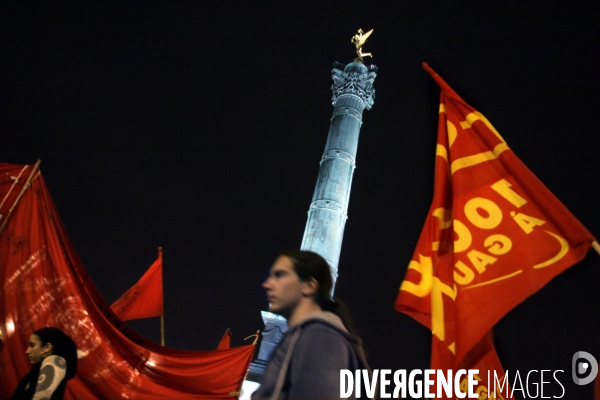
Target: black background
199, 128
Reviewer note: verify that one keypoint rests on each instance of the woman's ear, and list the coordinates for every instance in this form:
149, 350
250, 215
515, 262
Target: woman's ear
310, 287
48, 349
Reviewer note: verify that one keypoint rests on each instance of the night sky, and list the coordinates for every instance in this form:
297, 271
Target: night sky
200, 128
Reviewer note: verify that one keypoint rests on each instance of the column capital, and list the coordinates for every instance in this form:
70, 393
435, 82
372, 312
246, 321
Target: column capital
355, 79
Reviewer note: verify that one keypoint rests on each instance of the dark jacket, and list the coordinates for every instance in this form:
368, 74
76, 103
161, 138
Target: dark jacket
50, 383
307, 363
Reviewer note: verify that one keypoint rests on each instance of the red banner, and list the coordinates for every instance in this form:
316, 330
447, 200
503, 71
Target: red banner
45, 284
493, 236
145, 298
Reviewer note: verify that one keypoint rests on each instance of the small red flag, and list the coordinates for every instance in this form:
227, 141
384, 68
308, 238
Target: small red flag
225, 342
145, 298
493, 236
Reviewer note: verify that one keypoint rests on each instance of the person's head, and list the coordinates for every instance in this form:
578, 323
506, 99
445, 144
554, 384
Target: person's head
311, 267
49, 341
298, 278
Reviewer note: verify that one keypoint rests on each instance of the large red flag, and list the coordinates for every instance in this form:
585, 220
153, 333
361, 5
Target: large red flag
493, 236
145, 298
44, 283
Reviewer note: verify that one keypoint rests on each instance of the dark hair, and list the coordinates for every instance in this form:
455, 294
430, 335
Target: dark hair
309, 265
62, 345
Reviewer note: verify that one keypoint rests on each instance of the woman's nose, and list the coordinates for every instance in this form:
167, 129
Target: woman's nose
266, 283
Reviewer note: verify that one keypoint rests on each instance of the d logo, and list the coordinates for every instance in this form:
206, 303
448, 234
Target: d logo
583, 367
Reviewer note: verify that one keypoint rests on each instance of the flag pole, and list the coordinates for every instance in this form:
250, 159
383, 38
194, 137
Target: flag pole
162, 329
25, 187
596, 246
255, 336
162, 317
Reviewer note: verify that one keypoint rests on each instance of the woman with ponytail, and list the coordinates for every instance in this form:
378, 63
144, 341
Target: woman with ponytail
307, 362
53, 356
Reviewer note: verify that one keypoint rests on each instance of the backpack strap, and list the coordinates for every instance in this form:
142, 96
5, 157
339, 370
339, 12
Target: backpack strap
284, 366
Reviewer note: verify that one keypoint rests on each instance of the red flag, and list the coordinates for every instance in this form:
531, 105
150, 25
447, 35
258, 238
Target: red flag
43, 283
225, 342
145, 298
493, 236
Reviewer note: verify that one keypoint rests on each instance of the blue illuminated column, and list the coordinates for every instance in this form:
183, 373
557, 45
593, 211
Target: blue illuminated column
352, 93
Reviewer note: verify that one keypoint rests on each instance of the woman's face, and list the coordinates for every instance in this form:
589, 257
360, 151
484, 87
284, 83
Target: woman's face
35, 351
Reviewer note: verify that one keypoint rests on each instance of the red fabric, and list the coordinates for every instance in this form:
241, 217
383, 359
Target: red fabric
493, 236
481, 357
145, 298
225, 341
45, 284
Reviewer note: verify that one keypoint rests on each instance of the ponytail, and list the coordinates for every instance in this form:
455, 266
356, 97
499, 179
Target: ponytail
339, 307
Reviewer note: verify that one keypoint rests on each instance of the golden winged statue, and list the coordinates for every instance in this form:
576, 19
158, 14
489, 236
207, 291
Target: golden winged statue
358, 40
